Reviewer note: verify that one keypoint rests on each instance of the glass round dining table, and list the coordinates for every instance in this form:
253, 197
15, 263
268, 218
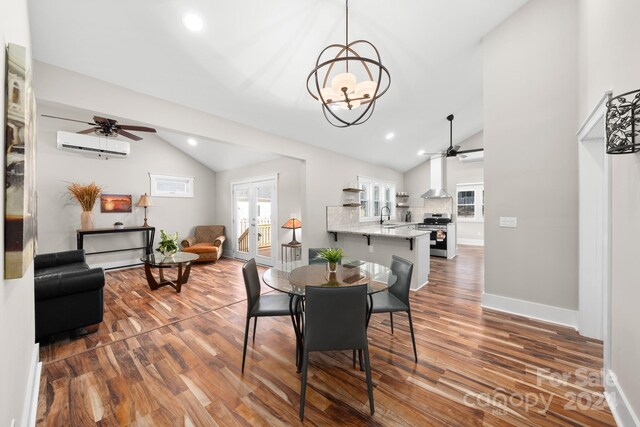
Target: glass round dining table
293, 278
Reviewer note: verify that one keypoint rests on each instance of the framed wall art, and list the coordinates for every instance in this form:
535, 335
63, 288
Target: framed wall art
20, 148
115, 203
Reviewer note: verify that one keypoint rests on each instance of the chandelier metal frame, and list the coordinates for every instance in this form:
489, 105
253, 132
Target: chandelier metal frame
350, 101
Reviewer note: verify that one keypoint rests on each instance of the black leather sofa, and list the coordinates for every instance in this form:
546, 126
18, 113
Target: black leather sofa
68, 294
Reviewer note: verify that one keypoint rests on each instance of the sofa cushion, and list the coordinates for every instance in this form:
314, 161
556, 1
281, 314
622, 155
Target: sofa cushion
75, 266
202, 248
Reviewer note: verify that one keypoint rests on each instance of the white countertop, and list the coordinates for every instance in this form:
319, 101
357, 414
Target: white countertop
400, 231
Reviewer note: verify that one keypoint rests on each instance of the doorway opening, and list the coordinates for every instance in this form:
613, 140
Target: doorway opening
254, 218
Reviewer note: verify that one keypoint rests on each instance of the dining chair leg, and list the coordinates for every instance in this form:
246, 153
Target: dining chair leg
413, 338
255, 324
367, 369
360, 360
246, 335
391, 318
303, 386
354, 359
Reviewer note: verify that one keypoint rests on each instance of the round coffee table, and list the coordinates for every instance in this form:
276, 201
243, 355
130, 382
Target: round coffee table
181, 259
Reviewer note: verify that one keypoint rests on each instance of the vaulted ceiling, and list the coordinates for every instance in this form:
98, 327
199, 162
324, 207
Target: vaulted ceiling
250, 62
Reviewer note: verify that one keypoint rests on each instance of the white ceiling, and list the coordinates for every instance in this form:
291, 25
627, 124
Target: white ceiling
217, 156
251, 61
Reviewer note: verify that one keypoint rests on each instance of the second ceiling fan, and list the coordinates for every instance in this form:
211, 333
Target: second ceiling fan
453, 151
108, 127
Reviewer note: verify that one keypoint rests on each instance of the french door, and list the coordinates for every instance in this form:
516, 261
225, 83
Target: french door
254, 220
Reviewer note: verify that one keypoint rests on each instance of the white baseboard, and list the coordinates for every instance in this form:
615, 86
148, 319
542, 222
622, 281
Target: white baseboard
620, 407
471, 242
419, 287
547, 313
33, 388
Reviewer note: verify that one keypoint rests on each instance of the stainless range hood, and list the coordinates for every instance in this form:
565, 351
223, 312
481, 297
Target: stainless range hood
437, 190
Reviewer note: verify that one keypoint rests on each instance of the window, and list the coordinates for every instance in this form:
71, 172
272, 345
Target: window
171, 186
375, 195
470, 201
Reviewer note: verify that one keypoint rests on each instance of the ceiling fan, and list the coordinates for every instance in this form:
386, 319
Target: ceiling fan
453, 151
108, 127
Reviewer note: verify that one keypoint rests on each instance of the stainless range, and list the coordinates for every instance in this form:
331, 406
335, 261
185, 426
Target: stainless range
443, 240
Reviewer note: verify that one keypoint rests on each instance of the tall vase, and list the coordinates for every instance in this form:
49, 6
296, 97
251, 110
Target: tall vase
86, 220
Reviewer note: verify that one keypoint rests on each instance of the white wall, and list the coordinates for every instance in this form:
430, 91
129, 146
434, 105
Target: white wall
530, 163
291, 177
59, 216
17, 330
609, 61
418, 180
327, 172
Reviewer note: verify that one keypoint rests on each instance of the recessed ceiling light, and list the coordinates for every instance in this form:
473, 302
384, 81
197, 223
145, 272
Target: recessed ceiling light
192, 21
390, 136
192, 141
421, 153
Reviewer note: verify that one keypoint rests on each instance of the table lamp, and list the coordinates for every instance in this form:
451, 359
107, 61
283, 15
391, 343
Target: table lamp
144, 202
293, 224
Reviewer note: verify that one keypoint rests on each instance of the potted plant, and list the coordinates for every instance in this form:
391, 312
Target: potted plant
333, 256
86, 196
118, 225
168, 244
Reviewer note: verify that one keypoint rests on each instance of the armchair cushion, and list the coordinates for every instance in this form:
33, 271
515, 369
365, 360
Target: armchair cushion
208, 233
201, 248
54, 285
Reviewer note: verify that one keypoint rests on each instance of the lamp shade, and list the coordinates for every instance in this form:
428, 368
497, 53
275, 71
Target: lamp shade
145, 201
292, 224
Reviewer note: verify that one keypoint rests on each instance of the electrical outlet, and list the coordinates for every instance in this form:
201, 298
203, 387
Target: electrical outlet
370, 249
508, 221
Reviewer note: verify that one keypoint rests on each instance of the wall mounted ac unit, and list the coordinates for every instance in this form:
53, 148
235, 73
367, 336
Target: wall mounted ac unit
476, 156
92, 144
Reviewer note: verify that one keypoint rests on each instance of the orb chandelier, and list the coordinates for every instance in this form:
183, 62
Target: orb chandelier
348, 80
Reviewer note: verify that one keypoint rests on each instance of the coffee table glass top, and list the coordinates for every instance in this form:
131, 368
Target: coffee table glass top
178, 258
294, 277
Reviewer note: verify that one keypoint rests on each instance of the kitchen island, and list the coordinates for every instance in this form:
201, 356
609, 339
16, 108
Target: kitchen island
378, 243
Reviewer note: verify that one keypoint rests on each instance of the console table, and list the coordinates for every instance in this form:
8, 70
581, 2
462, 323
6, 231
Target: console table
149, 234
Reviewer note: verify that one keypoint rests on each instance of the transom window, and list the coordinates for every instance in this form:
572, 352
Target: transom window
375, 195
470, 202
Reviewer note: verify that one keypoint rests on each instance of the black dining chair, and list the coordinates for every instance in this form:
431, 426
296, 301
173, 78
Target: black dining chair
396, 299
335, 319
260, 305
313, 256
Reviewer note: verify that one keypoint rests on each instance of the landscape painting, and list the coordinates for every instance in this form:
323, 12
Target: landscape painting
20, 188
115, 203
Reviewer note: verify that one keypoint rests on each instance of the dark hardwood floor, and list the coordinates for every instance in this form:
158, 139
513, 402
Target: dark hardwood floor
162, 358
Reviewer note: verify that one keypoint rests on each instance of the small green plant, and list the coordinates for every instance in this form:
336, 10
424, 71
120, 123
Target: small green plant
331, 255
168, 244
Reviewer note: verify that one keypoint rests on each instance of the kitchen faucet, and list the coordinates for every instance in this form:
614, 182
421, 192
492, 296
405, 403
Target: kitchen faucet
381, 211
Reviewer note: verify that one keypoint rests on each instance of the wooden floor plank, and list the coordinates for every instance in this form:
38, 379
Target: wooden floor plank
164, 359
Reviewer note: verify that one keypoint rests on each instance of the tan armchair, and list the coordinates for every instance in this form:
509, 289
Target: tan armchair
208, 242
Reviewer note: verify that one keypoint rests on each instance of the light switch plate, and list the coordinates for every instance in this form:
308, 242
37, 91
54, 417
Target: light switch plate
508, 221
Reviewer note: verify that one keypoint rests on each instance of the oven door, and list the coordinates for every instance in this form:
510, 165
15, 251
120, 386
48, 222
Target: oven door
438, 243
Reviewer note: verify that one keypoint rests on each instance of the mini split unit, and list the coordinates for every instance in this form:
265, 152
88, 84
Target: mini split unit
93, 144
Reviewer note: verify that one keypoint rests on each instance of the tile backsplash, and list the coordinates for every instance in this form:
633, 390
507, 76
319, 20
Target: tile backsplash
341, 217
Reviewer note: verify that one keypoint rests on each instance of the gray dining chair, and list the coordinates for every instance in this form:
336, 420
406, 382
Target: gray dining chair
313, 256
396, 299
335, 319
260, 305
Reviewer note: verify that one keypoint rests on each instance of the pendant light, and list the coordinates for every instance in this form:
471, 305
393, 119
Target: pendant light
347, 82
